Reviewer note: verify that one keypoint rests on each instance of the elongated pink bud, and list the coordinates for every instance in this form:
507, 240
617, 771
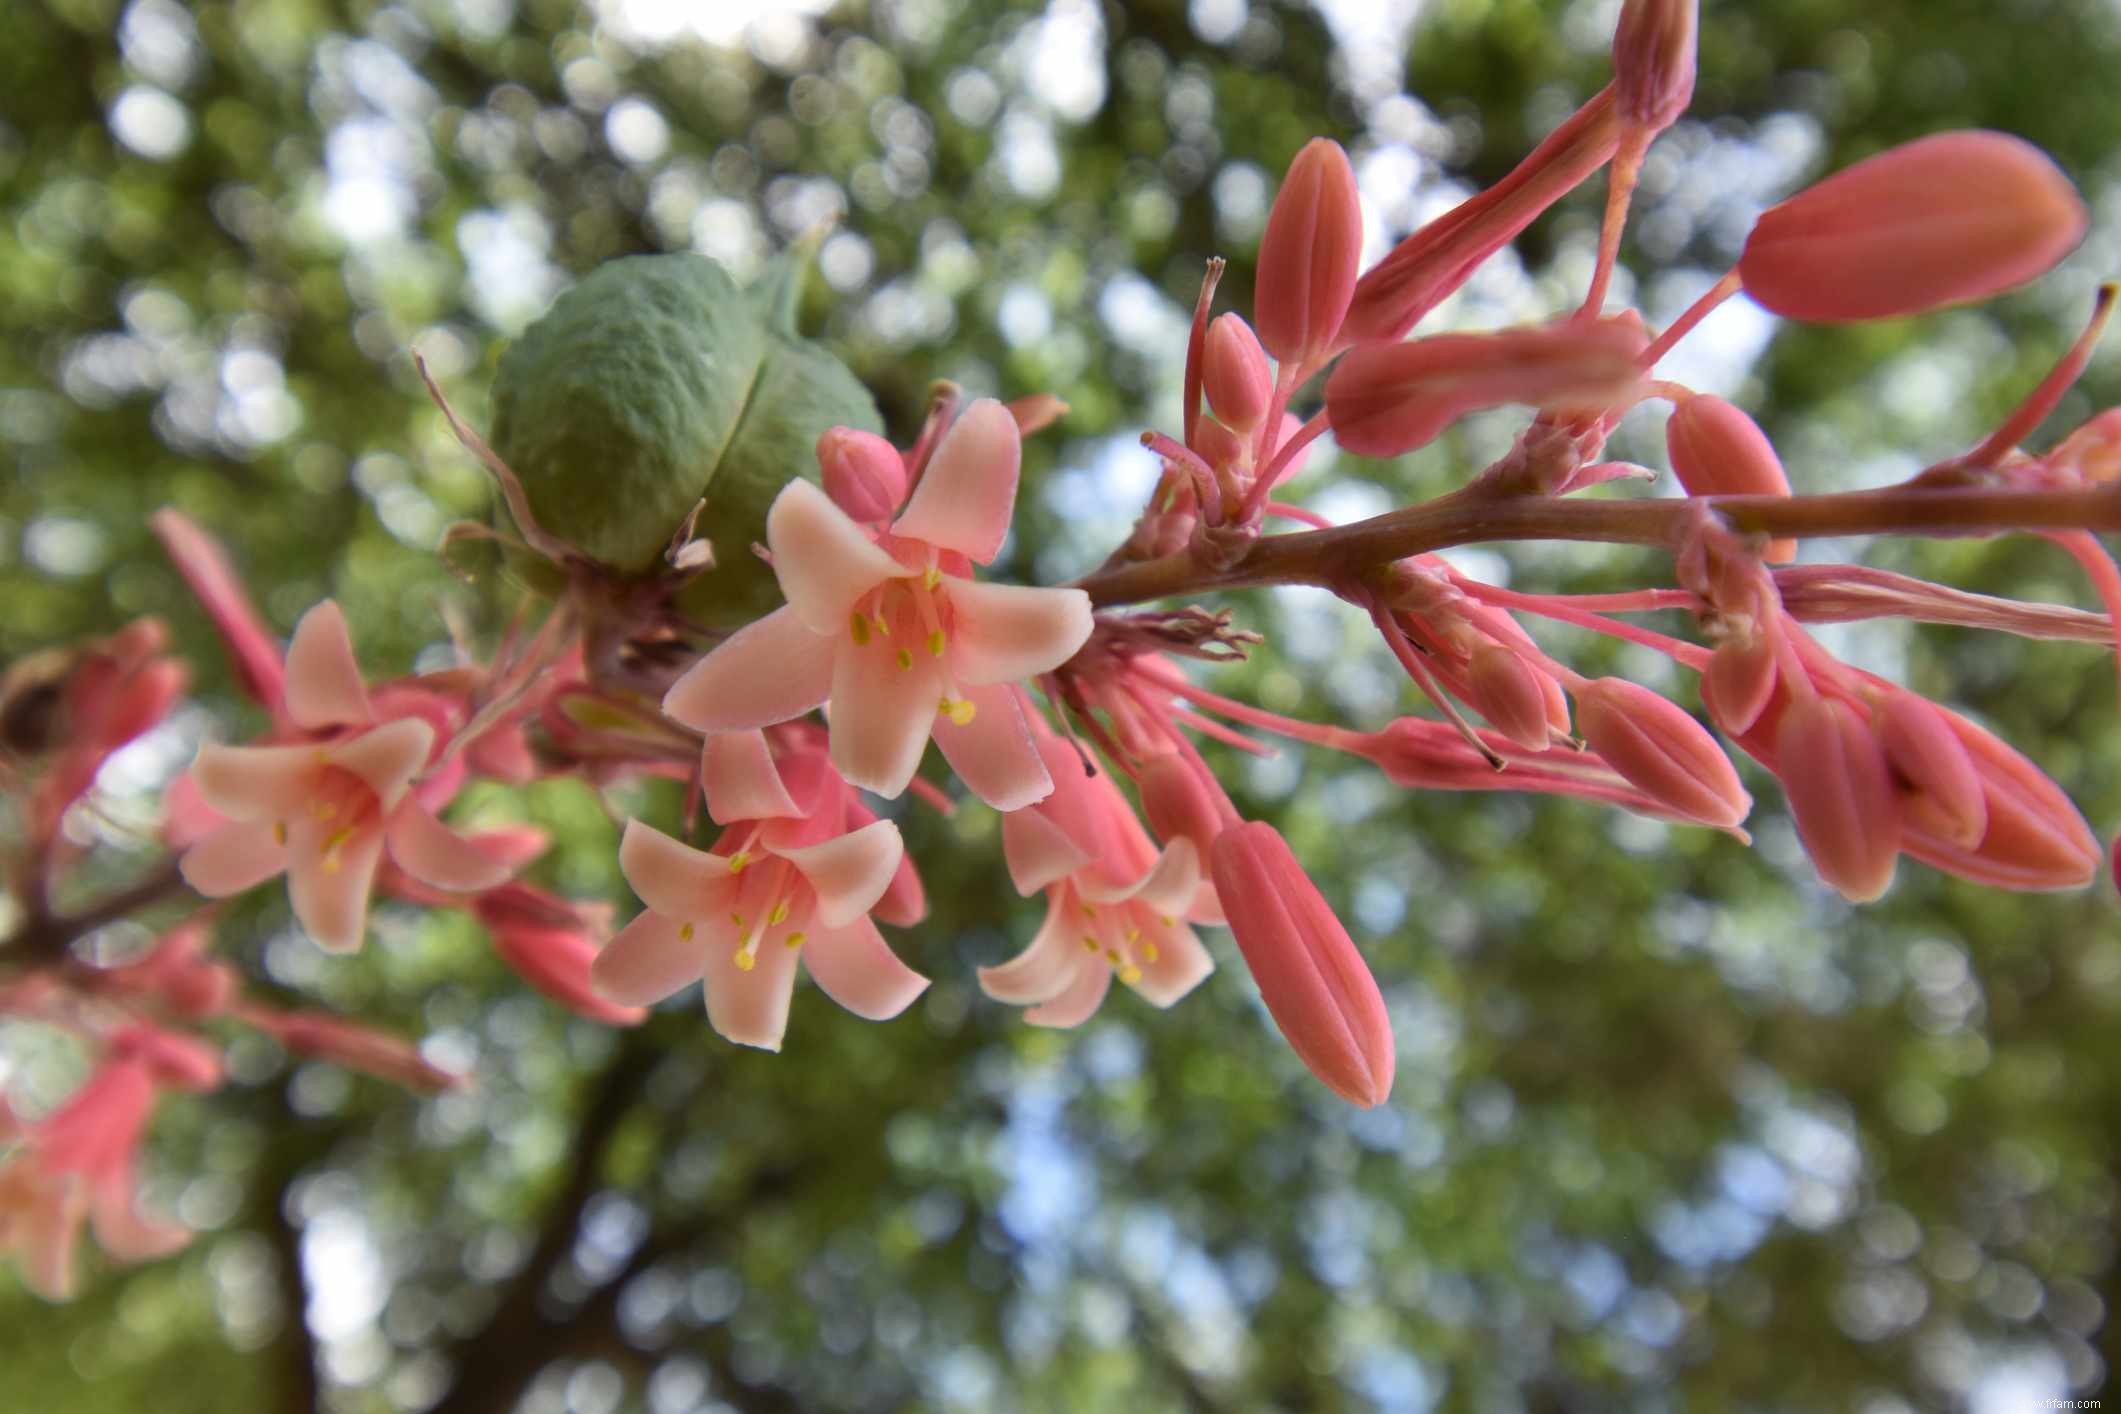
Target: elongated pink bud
864, 475
1840, 792
1740, 680
2035, 839
1943, 788
1239, 383
1653, 61
1314, 982
1385, 399
1425, 268
1511, 693
214, 582
1310, 255
1719, 451
1945, 219
1662, 751
357, 1047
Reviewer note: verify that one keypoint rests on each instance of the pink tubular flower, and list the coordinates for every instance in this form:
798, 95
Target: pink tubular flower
350, 1044
1385, 399
1661, 750
1114, 905
1945, 219
322, 812
896, 633
1840, 791
1718, 451
1315, 984
552, 944
787, 876
1310, 255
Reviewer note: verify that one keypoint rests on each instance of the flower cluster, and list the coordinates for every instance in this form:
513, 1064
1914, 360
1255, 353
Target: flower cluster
1073, 713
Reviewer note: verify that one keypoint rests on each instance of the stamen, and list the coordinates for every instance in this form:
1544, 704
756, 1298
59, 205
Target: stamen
746, 960
905, 661
795, 939
1089, 944
739, 861
779, 915
937, 644
860, 629
932, 579
961, 710
1130, 974
1150, 952
279, 832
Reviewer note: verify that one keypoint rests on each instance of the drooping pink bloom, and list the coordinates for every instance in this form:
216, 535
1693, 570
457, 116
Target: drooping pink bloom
1310, 255
1942, 220
1115, 906
1315, 983
322, 812
354, 1046
1841, 794
1661, 750
895, 632
1719, 451
788, 878
552, 943
1385, 399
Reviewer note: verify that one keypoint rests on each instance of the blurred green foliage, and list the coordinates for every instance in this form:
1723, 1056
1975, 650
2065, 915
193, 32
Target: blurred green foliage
1674, 1128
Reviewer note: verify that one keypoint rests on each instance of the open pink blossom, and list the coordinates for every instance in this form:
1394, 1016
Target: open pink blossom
895, 633
1114, 905
322, 812
789, 880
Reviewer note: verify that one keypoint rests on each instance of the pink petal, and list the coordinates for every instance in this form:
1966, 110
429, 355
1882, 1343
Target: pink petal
851, 872
993, 754
750, 1008
968, 493
1180, 965
822, 559
49, 1244
255, 782
674, 879
857, 969
768, 671
1009, 632
741, 780
1075, 1005
121, 1230
881, 716
650, 958
387, 758
329, 887
324, 687
238, 856
1167, 889
434, 854
1043, 970
1038, 851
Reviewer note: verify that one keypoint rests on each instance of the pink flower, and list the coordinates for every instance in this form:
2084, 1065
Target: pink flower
895, 634
1661, 751
1310, 255
1114, 905
1315, 983
787, 879
1945, 219
322, 812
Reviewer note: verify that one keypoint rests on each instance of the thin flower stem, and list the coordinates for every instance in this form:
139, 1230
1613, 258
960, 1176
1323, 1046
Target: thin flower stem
1691, 655
1256, 498
1333, 558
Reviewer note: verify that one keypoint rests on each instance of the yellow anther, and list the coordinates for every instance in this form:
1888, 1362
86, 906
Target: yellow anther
937, 644
1089, 910
1130, 974
883, 629
860, 630
1150, 952
1111, 956
738, 919
905, 660
279, 832
961, 711
746, 960
685, 931
1134, 935
795, 939
779, 915
739, 861
1090, 944
322, 810
1167, 920
932, 579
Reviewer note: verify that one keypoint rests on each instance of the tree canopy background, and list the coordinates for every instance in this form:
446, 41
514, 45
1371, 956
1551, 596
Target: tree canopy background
1674, 1127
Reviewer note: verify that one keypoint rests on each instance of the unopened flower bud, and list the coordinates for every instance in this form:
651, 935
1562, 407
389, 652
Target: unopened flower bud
1739, 682
1310, 254
1235, 373
1841, 794
357, 1047
2035, 838
1385, 399
1661, 751
864, 475
1653, 61
1719, 451
1944, 794
1314, 982
1511, 693
1943, 220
